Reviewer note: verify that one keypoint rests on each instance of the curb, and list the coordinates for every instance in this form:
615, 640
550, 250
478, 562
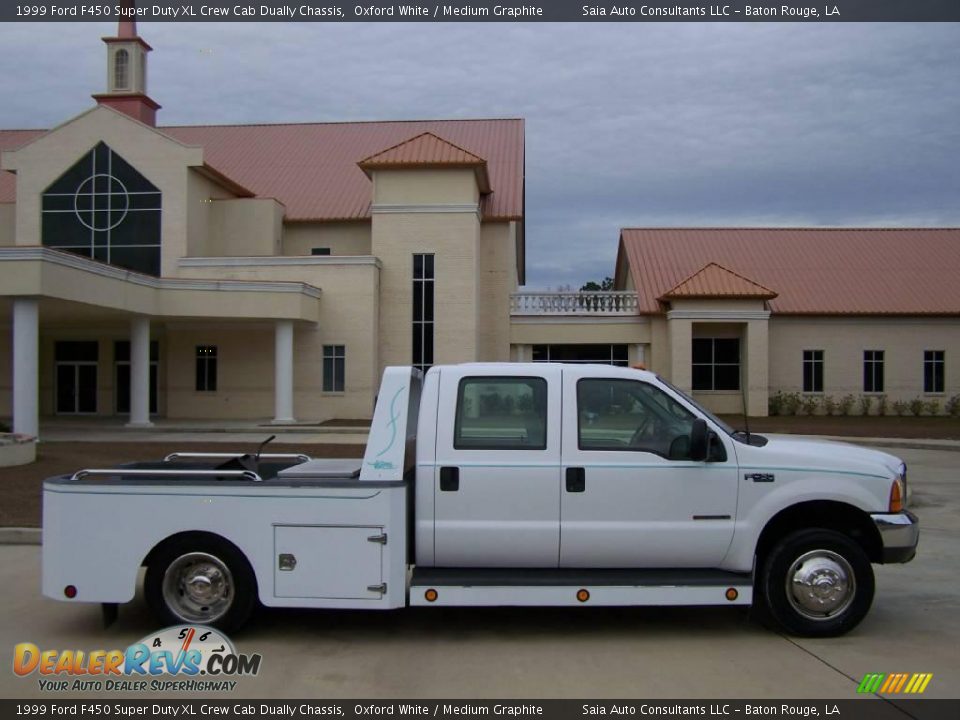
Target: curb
19, 536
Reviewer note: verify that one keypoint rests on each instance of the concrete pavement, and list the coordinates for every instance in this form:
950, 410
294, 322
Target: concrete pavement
565, 652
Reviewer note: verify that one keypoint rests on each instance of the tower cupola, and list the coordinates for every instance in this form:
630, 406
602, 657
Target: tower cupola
127, 70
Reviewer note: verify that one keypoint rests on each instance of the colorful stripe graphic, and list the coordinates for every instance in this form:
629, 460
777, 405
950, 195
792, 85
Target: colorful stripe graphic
893, 683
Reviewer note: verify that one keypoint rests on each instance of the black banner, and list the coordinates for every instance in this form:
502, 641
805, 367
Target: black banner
867, 708
487, 11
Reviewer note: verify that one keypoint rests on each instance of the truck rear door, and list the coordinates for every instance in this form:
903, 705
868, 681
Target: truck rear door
632, 498
497, 473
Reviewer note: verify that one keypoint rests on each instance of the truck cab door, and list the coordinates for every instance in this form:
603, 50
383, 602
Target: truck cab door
497, 473
632, 497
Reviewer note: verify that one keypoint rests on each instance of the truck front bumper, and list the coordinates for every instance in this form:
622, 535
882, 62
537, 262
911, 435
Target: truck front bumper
899, 534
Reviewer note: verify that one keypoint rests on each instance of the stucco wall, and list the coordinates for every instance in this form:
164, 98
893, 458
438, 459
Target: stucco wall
244, 227
430, 212
343, 238
497, 278
843, 341
8, 223
588, 330
347, 316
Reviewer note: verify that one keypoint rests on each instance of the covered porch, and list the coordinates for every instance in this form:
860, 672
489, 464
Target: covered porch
87, 339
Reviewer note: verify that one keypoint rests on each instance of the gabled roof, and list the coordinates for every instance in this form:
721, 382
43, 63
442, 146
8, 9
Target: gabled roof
426, 150
715, 281
312, 168
856, 271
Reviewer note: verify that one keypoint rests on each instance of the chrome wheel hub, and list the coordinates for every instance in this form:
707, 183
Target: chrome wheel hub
820, 584
198, 587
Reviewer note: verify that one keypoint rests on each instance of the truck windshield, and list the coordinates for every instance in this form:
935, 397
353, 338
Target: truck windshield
728, 429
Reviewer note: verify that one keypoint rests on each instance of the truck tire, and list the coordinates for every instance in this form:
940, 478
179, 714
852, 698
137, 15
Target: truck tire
203, 580
817, 583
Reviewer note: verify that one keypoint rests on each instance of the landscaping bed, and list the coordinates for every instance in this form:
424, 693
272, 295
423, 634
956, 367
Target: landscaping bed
873, 426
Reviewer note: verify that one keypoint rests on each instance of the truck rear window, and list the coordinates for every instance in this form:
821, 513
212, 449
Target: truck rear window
501, 413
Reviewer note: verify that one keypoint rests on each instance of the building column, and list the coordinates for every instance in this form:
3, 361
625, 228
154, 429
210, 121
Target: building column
636, 355
757, 372
140, 373
680, 332
26, 361
283, 373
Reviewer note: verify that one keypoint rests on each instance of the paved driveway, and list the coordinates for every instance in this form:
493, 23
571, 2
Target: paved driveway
570, 652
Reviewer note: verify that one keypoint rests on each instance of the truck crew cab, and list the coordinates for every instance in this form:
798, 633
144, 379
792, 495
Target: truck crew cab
495, 484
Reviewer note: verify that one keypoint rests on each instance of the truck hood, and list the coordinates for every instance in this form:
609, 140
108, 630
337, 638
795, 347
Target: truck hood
825, 454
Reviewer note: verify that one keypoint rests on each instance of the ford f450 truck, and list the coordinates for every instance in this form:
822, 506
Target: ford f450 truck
495, 484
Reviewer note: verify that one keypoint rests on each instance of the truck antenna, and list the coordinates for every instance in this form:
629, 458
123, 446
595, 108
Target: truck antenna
746, 417
262, 446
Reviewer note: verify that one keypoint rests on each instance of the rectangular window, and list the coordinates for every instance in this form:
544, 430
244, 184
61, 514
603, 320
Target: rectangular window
933, 364
501, 413
319, 251
423, 311
716, 363
602, 354
873, 371
813, 371
206, 368
633, 416
334, 359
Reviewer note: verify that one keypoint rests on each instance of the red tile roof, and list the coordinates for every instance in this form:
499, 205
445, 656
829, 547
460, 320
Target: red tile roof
814, 271
312, 168
428, 150
715, 281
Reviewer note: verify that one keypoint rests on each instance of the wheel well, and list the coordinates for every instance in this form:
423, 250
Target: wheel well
197, 536
828, 514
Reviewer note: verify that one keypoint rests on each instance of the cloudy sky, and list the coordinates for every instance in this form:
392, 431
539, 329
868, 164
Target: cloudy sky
627, 124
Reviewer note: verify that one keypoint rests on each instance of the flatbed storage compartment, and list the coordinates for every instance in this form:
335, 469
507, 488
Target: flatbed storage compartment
346, 538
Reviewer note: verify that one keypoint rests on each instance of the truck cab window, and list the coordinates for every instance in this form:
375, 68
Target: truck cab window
501, 413
628, 415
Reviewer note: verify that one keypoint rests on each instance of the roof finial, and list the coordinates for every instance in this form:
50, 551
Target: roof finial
127, 26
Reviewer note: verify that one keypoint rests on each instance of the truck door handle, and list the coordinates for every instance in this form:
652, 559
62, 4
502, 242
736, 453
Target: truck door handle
576, 479
449, 479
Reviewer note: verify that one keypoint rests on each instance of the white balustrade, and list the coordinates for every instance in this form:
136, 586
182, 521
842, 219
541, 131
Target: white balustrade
586, 302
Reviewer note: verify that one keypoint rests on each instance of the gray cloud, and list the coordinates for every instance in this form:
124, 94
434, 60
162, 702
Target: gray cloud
627, 125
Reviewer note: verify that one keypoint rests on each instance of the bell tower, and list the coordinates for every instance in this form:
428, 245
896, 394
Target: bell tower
127, 70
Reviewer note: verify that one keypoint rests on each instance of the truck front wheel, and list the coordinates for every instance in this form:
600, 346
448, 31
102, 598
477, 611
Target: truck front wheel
817, 583
200, 580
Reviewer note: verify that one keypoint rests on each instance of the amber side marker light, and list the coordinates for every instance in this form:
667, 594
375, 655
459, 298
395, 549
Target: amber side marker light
431, 595
732, 594
896, 497
70, 591
583, 595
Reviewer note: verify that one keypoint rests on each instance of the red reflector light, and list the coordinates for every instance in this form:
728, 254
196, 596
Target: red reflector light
70, 591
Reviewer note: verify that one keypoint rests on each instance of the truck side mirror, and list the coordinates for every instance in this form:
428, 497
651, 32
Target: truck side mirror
698, 440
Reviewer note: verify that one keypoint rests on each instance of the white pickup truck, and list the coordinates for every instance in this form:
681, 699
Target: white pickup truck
495, 484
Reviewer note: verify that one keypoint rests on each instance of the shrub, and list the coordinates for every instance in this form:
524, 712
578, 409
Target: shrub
775, 403
917, 406
4, 428
846, 404
953, 406
900, 408
810, 404
881, 404
866, 403
829, 405
933, 407
791, 403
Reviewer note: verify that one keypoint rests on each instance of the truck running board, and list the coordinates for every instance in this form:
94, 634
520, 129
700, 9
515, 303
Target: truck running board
492, 587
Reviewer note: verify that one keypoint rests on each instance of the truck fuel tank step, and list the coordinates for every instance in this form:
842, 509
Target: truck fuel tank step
574, 586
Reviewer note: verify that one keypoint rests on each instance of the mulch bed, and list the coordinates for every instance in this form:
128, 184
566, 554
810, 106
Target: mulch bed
21, 486
873, 426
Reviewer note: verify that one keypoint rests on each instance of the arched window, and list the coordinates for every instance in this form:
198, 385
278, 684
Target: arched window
121, 69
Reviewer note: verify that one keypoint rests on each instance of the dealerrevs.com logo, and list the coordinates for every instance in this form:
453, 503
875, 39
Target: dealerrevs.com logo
187, 658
